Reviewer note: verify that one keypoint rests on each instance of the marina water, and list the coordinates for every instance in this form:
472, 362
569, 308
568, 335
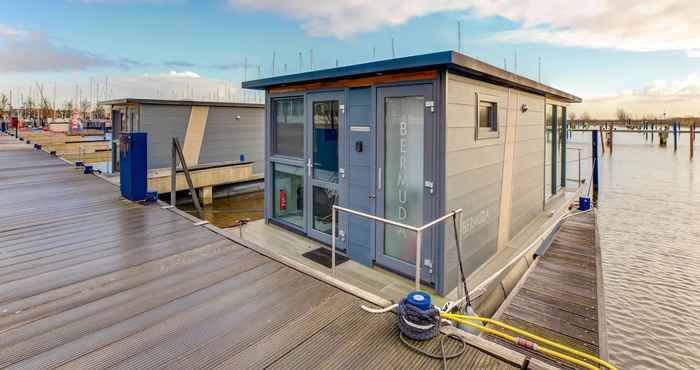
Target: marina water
649, 223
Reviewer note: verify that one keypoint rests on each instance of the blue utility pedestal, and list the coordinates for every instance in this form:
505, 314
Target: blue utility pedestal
133, 172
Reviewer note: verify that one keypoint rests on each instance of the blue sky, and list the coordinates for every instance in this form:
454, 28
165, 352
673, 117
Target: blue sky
598, 50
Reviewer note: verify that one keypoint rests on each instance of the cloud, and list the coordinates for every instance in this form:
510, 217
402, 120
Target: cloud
24, 51
35, 53
227, 66
661, 25
8, 33
179, 63
172, 85
183, 74
186, 64
676, 98
343, 19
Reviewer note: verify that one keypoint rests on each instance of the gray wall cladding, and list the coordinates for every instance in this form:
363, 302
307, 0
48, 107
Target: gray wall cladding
473, 174
226, 138
162, 123
359, 175
475, 169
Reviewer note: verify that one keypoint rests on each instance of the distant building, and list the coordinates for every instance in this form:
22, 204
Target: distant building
210, 132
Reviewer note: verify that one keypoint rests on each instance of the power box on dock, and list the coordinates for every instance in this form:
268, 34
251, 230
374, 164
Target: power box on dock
133, 172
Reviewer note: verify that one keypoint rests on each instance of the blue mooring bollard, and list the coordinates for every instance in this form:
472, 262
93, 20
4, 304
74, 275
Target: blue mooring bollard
584, 203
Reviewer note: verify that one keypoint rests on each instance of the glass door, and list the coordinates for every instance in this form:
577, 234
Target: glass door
324, 163
405, 173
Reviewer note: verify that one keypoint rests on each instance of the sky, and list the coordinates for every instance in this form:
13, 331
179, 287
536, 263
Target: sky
642, 56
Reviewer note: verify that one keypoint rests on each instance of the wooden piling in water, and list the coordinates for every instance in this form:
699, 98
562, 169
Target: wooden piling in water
594, 142
692, 140
675, 136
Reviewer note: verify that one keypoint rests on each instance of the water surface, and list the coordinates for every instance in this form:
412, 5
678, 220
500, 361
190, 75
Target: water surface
649, 223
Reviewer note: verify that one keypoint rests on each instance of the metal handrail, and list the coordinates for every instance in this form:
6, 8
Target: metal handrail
418, 230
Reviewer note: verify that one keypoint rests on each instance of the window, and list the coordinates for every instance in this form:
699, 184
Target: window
288, 126
324, 200
561, 147
288, 187
487, 116
325, 144
550, 161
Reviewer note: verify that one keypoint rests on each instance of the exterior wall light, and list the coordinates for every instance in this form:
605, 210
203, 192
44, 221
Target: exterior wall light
524, 108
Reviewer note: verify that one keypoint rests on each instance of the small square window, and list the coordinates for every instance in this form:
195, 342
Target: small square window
487, 116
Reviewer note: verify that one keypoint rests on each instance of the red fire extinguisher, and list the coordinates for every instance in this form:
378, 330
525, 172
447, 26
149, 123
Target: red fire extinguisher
283, 200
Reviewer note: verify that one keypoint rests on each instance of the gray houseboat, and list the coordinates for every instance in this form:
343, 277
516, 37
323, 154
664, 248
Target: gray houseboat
409, 139
210, 132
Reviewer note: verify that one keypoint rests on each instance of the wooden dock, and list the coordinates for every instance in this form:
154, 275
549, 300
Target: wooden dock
89, 280
561, 296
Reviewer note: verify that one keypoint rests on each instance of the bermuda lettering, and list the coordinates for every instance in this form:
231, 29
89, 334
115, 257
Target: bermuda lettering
401, 180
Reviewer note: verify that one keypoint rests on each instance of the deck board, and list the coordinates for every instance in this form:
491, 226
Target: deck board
559, 297
91, 281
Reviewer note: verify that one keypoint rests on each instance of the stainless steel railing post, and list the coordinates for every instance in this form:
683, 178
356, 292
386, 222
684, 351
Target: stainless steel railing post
419, 239
579, 167
333, 240
417, 230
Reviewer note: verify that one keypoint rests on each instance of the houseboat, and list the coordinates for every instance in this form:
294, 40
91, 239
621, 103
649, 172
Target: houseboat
222, 142
409, 139
209, 131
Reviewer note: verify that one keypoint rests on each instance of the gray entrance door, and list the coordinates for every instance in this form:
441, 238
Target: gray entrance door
325, 159
405, 175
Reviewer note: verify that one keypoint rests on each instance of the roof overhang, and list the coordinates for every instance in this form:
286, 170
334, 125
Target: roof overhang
125, 101
449, 60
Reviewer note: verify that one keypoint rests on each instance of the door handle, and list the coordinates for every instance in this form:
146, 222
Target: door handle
430, 185
309, 166
379, 179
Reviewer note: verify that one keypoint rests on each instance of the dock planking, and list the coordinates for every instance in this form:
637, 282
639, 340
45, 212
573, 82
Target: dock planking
561, 296
89, 280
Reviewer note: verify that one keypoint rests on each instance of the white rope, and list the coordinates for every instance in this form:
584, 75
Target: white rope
380, 310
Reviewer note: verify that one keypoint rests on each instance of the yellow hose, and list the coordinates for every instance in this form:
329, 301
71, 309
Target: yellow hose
464, 319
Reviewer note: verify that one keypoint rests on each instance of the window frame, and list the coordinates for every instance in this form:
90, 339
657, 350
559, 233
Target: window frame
493, 131
279, 220
273, 158
273, 126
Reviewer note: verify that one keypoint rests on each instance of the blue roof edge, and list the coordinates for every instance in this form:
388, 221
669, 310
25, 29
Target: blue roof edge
451, 60
411, 62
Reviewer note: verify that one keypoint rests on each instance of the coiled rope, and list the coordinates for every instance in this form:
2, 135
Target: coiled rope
423, 325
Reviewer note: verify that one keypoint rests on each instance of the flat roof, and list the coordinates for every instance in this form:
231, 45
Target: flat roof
123, 101
450, 60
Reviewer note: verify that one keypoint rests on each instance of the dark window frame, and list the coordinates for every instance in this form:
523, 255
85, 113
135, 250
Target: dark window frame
492, 130
274, 126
